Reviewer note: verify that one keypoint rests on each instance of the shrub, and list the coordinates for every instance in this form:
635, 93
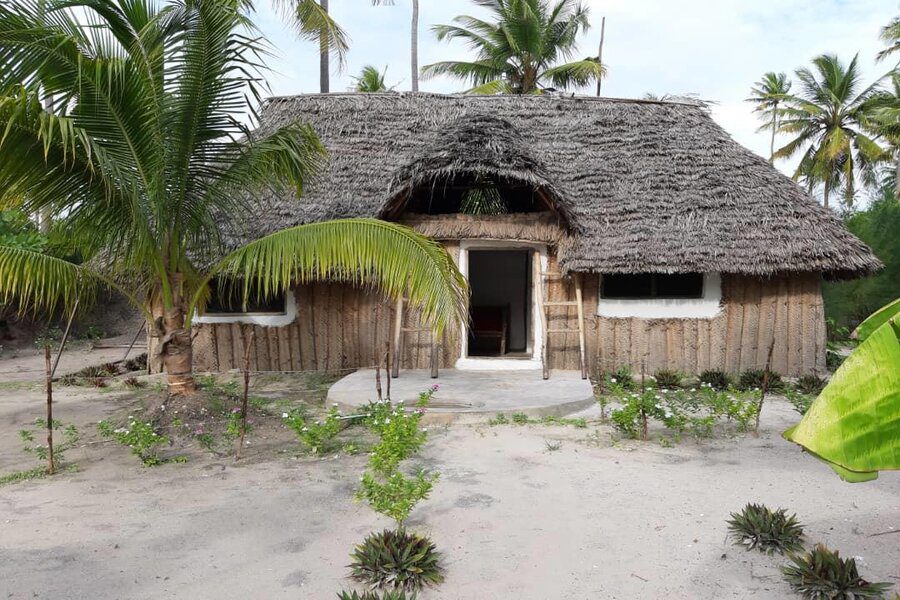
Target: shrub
623, 377
396, 558
800, 401
759, 528
717, 380
752, 379
133, 382
632, 418
70, 439
318, 436
140, 437
822, 574
810, 384
395, 495
667, 379
371, 595
833, 360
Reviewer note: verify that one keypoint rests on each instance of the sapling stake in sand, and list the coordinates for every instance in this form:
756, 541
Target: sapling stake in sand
248, 345
49, 368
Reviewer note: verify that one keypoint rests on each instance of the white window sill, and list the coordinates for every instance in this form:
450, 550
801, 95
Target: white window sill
256, 319
707, 307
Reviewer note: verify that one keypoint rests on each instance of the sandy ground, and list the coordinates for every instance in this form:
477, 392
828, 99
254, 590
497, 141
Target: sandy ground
594, 519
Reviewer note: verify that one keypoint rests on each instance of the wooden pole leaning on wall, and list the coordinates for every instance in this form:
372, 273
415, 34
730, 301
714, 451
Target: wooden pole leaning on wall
398, 338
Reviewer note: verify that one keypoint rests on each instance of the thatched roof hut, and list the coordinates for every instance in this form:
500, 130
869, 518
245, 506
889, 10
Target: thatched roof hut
641, 186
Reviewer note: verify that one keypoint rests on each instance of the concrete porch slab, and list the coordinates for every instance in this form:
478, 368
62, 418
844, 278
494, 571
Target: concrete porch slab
472, 395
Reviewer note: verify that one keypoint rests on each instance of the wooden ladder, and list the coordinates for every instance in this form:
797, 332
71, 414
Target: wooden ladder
399, 331
545, 306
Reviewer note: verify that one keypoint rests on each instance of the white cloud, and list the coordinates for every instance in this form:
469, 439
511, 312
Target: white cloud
713, 48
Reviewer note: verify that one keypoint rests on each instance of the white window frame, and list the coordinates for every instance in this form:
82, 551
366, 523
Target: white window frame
262, 319
709, 305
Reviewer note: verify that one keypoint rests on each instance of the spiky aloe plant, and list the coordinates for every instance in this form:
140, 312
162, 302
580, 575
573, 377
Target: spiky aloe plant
371, 595
396, 559
760, 528
822, 574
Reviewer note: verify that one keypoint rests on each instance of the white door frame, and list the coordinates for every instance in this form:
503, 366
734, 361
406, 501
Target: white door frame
536, 344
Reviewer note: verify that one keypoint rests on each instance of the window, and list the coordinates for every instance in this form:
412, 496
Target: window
227, 300
652, 285
661, 296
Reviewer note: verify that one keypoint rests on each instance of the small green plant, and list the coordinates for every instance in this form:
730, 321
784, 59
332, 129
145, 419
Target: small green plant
205, 439
396, 559
552, 446
821, 574
638, 408
622, 377
139, 436
810, 384
500, 419
133, 383
318, 436
752, 379
667, 379
233, 424
18, 476
833, 360
396, 494
520, 418
717, 380
760, 528
93, 332
800, 401
40, 451
373, 595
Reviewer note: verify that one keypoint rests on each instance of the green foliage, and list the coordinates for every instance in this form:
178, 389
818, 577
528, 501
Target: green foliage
520, 418
233, 423
810, 384
833, 360
20, 476
318, 436
847, 303
665, 378
718, 380
821, 574
386, 489
518, 47
40, 451
500, 419
370, 80
18, 231
752, 379
373, 595
760, 528
396, 559
852, 424
139, 436
800, 401
396, 494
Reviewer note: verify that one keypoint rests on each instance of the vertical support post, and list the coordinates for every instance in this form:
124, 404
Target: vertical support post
248, 346
581, 343
539, 296
387, 369
398, 338
49, 369
376, 353
765, 386
434, 355
600, 52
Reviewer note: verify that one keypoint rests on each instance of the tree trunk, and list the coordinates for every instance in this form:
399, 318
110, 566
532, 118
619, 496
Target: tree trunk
897, 176
324, 57
827, 191
772, 142
414, 46
175, 344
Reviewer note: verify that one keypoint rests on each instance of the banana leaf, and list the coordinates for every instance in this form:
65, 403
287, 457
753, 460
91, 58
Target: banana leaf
876, 320
854, 424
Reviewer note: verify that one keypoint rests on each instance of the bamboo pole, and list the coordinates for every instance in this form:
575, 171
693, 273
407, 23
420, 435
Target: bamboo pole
49, 369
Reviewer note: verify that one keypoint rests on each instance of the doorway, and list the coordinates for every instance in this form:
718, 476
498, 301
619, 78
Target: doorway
500, 309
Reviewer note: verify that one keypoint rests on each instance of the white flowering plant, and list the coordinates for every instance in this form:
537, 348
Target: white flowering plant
140, 437
318, 436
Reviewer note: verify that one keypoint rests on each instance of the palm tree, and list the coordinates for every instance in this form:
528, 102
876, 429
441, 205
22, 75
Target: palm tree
370, 80
827, 121
312, 22
518, 51
882, 118
890, 35
414, 40
144, 156
768, 94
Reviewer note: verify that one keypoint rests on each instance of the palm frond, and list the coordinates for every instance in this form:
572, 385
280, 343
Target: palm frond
314, 24
390, 257
579, 73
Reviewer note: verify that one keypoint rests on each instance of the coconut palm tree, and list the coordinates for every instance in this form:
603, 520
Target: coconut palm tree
143, 157
882, 118
370, 80
313, 22
768, 94
414, 40
890, 35
518, 51
827, 121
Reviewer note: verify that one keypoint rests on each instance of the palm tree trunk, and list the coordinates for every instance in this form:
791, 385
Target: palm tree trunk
897, 176
772, 142
827, 193
414, 46
176, 344
324, 58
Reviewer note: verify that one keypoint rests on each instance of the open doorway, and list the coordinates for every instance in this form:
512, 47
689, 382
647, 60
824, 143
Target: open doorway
500, 307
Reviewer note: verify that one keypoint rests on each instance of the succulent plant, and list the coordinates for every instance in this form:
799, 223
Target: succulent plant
753, 379
760, 528
371, 595
821, 574
667, 379
810, 384
396, 559
716, 379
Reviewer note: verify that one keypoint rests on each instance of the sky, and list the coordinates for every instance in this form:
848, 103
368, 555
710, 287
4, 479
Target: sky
714, 49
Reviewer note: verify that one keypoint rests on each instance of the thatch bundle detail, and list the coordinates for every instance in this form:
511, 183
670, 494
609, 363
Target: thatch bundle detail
532, 227
644, 186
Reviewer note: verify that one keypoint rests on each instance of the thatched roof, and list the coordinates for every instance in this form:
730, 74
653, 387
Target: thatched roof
645, 186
